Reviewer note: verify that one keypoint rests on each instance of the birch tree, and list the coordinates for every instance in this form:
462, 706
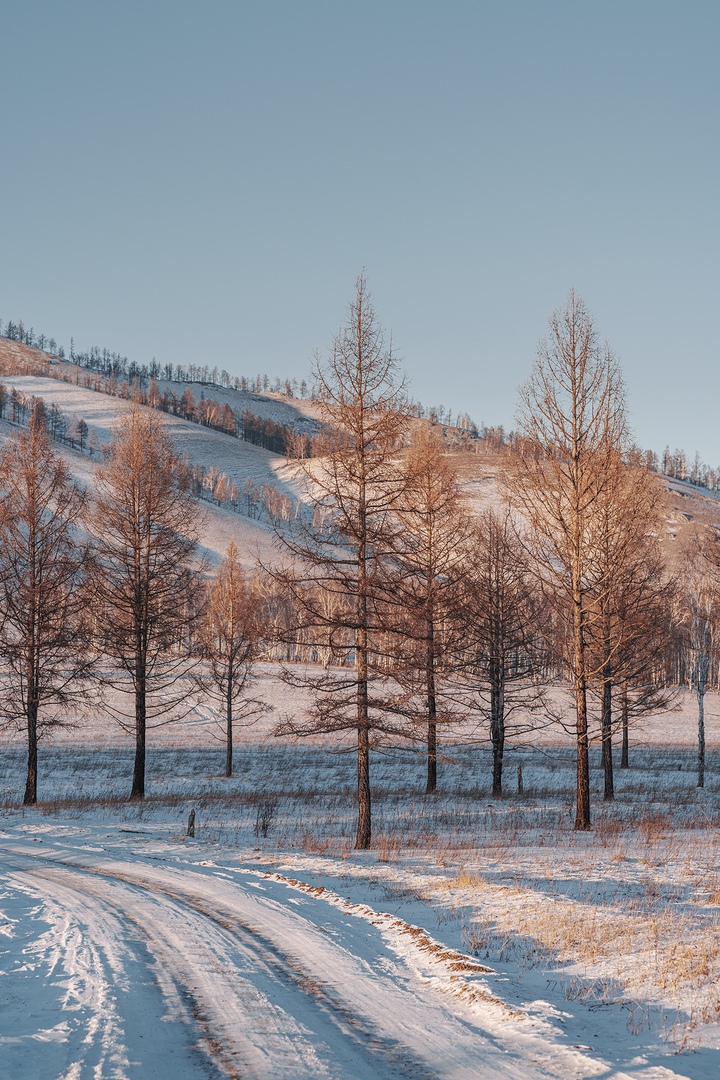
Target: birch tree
701, 603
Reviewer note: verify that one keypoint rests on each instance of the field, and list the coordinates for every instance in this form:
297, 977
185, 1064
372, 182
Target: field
563, 954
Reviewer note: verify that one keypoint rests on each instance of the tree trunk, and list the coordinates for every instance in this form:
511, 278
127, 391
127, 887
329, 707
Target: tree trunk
31, 784
607, 711
607, 760
497, 729
701, 735
363, 824
498, 749
229, 728
625, 758
138, 784
364, 831
432, 712
431, 787
582, 810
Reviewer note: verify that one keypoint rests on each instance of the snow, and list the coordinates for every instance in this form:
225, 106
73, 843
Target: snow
131, 936
240, 460
477, 939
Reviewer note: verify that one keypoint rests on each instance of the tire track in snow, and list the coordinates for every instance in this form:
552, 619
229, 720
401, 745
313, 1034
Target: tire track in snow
334, 1001
222, 976
76, 989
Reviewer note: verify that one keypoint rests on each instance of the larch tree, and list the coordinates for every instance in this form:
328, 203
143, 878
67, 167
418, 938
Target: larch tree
630, 598
571, 423
426, 572
340, 551
230, 636
644, 618
500, 659
43, 599
146, 580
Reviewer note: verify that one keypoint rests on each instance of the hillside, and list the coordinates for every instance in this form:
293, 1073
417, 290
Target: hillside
243, 462
29, 371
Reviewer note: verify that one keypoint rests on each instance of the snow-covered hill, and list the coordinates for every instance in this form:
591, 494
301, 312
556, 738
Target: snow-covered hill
687, 506
241, 461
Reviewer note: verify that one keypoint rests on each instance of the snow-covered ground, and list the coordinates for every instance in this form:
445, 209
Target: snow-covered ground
240, 461
477, 939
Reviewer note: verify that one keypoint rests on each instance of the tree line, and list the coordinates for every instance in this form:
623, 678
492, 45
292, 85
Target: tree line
428, 614
115, 367
72, 431
104, 589
279, 438
403, 610
209, 483
118, 369
114, 364
678, 466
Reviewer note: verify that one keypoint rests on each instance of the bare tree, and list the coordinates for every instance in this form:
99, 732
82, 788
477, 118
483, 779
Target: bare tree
645, 623
146, 587
428, 566
701, 618
572, 424
501, 658
230, 644
353, 487
631, 596
42, 589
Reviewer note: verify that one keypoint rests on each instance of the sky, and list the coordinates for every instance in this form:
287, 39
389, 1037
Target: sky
203, 182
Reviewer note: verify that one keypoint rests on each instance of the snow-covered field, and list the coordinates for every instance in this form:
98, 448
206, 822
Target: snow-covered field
477, 939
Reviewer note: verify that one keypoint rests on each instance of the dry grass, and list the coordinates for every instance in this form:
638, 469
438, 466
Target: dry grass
628, 912
653, 937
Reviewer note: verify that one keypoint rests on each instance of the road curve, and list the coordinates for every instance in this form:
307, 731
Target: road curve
147, 967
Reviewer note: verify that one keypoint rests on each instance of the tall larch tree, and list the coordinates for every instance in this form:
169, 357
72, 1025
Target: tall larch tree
145, 522
428, 566
43, 640
340, 549
571, 423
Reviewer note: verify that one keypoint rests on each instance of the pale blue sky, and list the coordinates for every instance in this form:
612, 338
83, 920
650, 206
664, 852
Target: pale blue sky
201, 182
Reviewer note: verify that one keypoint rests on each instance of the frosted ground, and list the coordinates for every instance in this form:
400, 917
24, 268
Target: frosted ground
477, 939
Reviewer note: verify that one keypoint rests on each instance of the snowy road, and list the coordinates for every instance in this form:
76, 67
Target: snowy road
138, 964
